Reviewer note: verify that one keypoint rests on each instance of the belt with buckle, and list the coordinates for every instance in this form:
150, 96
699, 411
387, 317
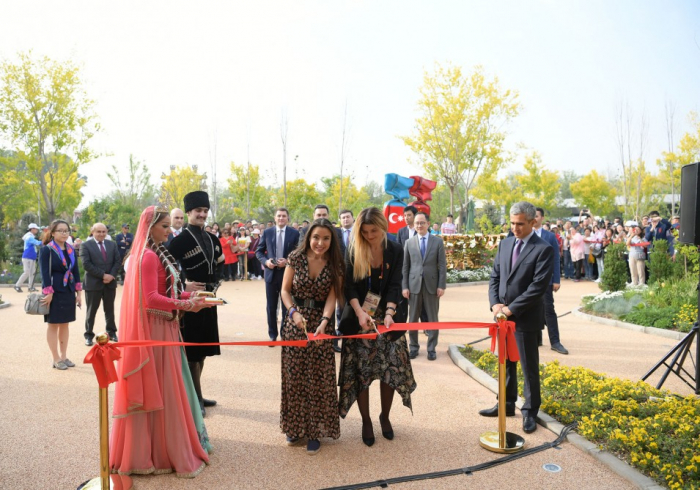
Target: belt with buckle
309, 303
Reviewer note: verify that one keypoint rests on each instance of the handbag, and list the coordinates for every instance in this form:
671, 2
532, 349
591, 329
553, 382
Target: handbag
33, 304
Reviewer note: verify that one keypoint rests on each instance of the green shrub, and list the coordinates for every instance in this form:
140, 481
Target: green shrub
652, 316
615, 270
687, 258
676, 293
661, 265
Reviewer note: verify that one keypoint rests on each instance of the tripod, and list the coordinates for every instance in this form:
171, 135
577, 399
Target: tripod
679, 353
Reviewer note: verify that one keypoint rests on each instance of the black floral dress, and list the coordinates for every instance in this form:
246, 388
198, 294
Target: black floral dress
309, 398
364, 360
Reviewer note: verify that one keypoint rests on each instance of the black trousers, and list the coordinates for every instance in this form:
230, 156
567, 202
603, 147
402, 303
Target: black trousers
530, 364
550, 316
272, 292
92, 303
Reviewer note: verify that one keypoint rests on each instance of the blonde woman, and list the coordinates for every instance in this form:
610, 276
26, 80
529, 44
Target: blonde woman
373, 268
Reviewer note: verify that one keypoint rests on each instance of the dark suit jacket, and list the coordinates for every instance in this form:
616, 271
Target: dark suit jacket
549, 237
402, 235
96, 267
390, 286
522, 288
267, 248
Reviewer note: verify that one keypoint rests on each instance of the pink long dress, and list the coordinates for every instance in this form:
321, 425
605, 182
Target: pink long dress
154, 430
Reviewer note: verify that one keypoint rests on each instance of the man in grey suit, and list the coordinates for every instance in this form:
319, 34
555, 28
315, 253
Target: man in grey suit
101, 263
424, 280
521, 274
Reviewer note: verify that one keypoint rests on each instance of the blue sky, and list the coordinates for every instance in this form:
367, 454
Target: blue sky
175, 80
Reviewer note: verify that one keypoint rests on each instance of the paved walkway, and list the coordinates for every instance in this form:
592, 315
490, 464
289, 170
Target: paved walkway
48, 419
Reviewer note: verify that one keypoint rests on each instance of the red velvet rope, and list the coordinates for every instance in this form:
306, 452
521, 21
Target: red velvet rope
102, 357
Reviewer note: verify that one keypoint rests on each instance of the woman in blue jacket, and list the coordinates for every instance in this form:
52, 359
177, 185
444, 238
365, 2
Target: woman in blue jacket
60, 280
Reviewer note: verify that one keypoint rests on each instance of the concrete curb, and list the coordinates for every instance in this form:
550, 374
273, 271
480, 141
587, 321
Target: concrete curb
611, 461
461, 284
659, 332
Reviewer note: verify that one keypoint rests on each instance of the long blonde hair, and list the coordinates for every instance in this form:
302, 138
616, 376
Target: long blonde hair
359, 249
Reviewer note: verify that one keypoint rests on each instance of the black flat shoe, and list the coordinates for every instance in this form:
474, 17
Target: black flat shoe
388, 434
529, 424
18, 289
208, 403
493, 411
368, 440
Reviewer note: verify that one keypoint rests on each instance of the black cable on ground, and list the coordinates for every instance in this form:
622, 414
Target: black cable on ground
461, 471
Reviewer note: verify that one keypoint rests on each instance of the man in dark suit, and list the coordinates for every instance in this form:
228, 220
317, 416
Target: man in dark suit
424, 281
522, 271
177, 224
550, 316
275, 245
101, 262
124, 241
409, 214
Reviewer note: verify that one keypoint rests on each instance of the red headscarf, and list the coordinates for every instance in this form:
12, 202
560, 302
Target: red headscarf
137, 389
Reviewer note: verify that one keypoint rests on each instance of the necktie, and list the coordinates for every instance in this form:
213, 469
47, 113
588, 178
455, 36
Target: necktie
280, 244
422, 247
516, 253
104, 252
347, 237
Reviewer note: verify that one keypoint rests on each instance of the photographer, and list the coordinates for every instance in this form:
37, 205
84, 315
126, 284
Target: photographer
659, 229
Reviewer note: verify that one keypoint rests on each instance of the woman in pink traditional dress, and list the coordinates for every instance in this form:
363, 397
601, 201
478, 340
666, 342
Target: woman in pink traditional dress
158, 426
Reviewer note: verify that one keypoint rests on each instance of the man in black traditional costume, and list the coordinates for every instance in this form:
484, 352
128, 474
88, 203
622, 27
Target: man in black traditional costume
199, 254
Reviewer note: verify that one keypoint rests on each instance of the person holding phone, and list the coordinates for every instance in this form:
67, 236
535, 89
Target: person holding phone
60, 282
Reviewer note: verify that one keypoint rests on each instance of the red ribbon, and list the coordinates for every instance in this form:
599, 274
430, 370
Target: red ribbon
102, 358
507, 348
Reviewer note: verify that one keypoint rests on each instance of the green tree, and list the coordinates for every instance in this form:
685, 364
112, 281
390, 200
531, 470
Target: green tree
48, 119
137, 191
593, 191
460, 129
353, 198
687, 151
537, 184
179, 182
16, 195
614, 276
110, 211
248, 196
302, 197
566, 179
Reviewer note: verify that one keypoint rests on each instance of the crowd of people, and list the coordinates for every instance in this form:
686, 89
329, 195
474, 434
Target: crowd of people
583, 243
330, 280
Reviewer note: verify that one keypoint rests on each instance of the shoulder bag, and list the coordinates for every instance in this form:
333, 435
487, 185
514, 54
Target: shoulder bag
33, 304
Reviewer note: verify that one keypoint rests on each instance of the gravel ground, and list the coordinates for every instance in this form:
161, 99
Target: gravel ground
49, 431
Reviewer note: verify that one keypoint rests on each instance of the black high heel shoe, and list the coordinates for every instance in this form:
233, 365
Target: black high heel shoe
388, 434
368, 440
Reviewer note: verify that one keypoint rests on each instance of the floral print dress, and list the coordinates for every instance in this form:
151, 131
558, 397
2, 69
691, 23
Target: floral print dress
309, 406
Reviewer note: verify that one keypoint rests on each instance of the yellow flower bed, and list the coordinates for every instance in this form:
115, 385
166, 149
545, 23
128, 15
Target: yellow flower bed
653, 430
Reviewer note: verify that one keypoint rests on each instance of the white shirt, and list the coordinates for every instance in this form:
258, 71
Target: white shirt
176, 232
411, 231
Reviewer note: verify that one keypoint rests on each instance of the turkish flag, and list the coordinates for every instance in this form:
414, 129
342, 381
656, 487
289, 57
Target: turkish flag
393, 212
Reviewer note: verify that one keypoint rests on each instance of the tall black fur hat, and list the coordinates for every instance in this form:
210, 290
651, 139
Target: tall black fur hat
196, 199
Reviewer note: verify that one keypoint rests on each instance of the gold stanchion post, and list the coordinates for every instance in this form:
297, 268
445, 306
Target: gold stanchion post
501, 441
106, 481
